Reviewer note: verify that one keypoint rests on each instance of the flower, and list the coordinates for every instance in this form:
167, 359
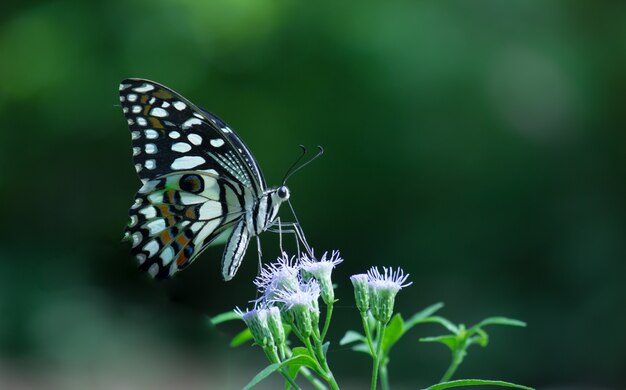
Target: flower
302, 303
361, 291
256, 320
283, 274
321, 270
383, 289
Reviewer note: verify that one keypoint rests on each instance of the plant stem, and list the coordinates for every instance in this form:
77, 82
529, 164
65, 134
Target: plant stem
322, 358
384, 377
457, 358
329, 314
368, 334
272, 355
380, 334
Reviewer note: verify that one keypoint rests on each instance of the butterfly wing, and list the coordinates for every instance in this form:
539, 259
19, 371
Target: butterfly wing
198, 177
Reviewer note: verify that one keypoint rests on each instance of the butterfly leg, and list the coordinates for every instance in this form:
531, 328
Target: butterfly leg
260, 253
294, 228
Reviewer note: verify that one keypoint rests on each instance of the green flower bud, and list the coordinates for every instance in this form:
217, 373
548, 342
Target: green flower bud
361, 292
256, 320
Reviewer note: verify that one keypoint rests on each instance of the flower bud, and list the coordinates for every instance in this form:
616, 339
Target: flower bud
383, 289
361, 292
274, 321
256, 320
322, 270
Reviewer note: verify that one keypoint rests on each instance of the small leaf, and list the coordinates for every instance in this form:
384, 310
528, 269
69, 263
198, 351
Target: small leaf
224, 317
352, 337
300, 351
482, 338
298, 361
450, 341
267, 371
395, 330
442, 321
325, 347
417, 317
362, 348
498, 321
475, 382
241, 338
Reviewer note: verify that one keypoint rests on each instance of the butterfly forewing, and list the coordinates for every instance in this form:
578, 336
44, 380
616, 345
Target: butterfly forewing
198, 178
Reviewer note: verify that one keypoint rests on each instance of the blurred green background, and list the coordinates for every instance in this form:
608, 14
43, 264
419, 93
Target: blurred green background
477, 144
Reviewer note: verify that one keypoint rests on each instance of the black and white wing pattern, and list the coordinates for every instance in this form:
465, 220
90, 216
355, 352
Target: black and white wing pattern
198, 179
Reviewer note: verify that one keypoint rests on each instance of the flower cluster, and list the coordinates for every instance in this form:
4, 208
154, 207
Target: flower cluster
290, 289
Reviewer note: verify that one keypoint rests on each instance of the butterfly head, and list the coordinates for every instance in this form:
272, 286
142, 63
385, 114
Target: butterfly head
282, 193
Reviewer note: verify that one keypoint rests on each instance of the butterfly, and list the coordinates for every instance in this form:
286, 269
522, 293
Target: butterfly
199, 179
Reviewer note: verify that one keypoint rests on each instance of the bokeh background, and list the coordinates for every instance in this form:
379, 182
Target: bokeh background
477, 144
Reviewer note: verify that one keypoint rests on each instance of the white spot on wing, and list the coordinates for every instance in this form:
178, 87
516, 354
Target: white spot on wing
151, 247
134, 135
181, 147
158, 112
140, 258
187, 162
187, 199
155, 226
174, 134
194, 139
151, 134
217, 142
136, 109
136, 238
180, 106
153, 270
132, 97
144, 88
150, 164
167, 255
149, 212
151, 148
190, 122
141, 121
125, 110
165, 104
124, 86
136, 151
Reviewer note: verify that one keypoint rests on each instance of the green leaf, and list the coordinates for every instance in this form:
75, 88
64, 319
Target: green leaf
362, 348
352, 337
481, 338
241, 338
224, 317
298, 361
267, 371
475, 382
395, 330
325, 347
300, 351
450, 341
443, 322
419, 316
498, 321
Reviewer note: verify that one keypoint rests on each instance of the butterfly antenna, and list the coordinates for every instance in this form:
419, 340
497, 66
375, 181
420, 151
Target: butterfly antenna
291, 168
320, 151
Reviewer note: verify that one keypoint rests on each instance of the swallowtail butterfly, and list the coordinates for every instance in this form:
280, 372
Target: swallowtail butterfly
199, 179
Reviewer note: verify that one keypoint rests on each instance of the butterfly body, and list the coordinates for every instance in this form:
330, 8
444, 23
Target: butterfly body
199, 179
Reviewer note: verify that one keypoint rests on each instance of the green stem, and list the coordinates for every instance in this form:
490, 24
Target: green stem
329, 314
384, 377
272, 355
322, 358
380, 334
457, 358
368, 333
